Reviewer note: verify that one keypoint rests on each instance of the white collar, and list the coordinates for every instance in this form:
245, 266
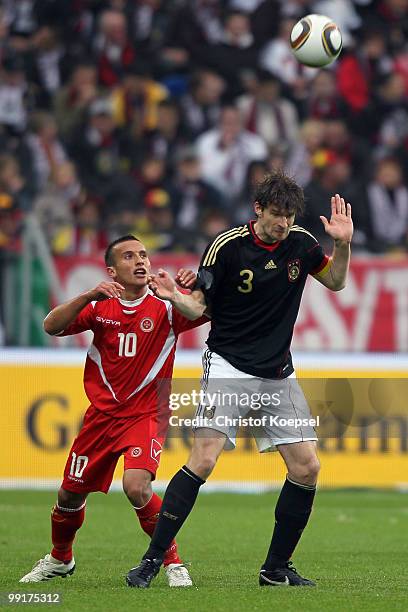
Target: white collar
136, 302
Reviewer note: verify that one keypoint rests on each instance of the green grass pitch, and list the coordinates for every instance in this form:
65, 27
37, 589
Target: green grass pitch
356, 547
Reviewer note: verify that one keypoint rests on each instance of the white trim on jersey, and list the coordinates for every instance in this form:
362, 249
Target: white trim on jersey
95, 355
298, 228
158, 364
169, 308
135, 302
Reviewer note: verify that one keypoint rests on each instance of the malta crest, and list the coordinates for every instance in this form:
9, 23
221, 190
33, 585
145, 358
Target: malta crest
147, 324
293, 270
209, 412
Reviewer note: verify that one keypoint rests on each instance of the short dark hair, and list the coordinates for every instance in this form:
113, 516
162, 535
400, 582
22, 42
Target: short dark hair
282, 191
109, 261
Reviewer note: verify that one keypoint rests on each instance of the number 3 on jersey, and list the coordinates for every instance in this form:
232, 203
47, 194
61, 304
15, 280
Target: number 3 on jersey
127, 344
246, 282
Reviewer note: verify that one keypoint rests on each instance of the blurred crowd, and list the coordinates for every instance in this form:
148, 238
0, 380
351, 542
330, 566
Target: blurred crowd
157, 117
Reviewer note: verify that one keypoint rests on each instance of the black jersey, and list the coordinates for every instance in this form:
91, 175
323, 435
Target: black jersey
254, 291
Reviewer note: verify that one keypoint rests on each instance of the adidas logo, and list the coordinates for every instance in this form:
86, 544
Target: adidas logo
270, 265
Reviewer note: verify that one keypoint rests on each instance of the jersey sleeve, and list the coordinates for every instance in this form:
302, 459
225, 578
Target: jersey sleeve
182, 324
318, 262
83, 322
212, 270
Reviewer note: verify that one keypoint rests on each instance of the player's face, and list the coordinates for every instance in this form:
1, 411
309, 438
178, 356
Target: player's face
132, 265
274, 223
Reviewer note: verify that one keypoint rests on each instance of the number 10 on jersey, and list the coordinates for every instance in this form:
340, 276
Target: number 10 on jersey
127, 344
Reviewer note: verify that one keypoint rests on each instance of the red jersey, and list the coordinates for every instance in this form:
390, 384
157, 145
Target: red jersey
129, 364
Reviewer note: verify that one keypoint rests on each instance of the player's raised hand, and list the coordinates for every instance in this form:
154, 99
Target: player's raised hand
340, 226
106, 290
162, 285
185, 278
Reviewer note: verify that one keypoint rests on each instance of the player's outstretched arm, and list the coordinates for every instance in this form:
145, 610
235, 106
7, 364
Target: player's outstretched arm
192, 306
340, 228
61, 316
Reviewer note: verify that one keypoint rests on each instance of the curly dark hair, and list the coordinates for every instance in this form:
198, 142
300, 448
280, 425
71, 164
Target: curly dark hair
280, 190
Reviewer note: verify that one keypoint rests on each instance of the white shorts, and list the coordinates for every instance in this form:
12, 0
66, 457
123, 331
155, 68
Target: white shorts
274, 410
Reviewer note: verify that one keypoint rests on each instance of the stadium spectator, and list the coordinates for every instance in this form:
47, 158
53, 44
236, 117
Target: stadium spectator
387, 201
393, 15
46, 149
154, 222
337, 138
194, 197
268, 113
264, 15
153, 183
400, 65
89, 238
302, 158
277, 57
148, 22
294, 8
392, 107
114, 51
55, 208
226, 151
333, 175
194, 27
136, 99
213, 223
276, 160
358, 73
235, 52
15, 193
166, 138
256, 172
4, 34
100, 151
71, 102
15, 200
45, 64
22, 20
14, 91
201, 105
323, 101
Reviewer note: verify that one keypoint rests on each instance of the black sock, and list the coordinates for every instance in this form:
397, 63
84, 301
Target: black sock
291, 515
177, 504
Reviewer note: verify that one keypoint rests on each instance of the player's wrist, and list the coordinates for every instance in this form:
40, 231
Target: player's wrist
176, 297
342, 243
90, 296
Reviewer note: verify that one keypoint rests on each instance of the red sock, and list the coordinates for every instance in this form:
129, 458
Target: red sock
148, 516
65, 522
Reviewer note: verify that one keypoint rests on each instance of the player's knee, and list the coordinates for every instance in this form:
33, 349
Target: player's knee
67, 499
306, 471
205, 452
138, 491
203, 464
138, 495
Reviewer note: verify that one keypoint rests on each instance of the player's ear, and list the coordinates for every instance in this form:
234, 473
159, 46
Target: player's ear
111, 272
258, 209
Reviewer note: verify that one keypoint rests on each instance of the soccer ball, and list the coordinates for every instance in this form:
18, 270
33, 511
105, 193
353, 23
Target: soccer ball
315, 40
